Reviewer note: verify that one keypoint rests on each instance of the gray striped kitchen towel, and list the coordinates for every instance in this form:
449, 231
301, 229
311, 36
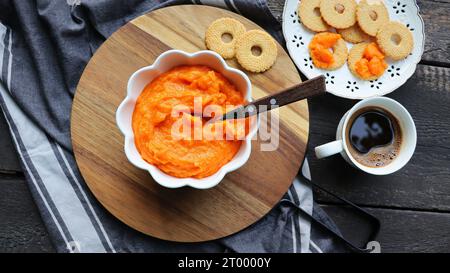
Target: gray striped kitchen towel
44, 47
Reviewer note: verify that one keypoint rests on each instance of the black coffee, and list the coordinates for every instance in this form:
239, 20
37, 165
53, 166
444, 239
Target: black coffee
371, 129
374, 136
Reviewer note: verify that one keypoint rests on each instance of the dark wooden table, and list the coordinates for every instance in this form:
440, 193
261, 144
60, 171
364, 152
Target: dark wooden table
412, 204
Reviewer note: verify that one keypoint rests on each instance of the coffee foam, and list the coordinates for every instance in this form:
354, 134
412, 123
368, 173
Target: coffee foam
379, 156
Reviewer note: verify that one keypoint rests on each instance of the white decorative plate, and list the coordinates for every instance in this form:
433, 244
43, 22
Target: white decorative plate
342, 82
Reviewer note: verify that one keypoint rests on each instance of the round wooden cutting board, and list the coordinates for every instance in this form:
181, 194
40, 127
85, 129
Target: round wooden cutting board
130, 194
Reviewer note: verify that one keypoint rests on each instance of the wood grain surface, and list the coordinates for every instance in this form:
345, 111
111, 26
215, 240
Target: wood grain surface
423, 183
186, 214
9, 162
21, 227
402, 231
435, 14
407, 225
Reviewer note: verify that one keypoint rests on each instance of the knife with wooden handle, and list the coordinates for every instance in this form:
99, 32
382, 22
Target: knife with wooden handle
307, 89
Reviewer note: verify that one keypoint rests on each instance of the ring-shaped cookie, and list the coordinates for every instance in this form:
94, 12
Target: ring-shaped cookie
339, 13
356, 53
340, 53
256, 39
220, 27
354, 34
309, 13
395, 40
371, 16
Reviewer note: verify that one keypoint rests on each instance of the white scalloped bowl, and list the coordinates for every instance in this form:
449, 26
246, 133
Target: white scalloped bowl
145, 75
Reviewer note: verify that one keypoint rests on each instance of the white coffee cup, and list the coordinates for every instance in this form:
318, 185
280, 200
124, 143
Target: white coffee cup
407, 127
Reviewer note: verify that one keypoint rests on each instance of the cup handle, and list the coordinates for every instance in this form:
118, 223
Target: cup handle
329, 149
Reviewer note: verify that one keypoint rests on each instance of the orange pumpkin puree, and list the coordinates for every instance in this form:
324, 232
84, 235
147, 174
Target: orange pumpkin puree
320, 48
372, 62
181, 154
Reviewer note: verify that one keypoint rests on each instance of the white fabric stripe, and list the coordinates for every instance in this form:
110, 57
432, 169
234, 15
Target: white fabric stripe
56, 183
2, 46
235, 7
6, 97
305, 195
290, 195
305, 170
316, 247
304, 223
305, 233
69, 167
58, 187
8, 81
216, 3
294, 237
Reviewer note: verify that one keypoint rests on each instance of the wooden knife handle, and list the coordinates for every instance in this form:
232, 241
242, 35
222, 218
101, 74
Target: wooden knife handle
292, 94
307, 89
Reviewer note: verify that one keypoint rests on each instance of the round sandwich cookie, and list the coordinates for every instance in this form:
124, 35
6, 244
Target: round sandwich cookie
339, 13
218, 31
340, 53
256, 51
354, 34
356, 54
395, 40
366, 61
328, 51
371, 16
309, 13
